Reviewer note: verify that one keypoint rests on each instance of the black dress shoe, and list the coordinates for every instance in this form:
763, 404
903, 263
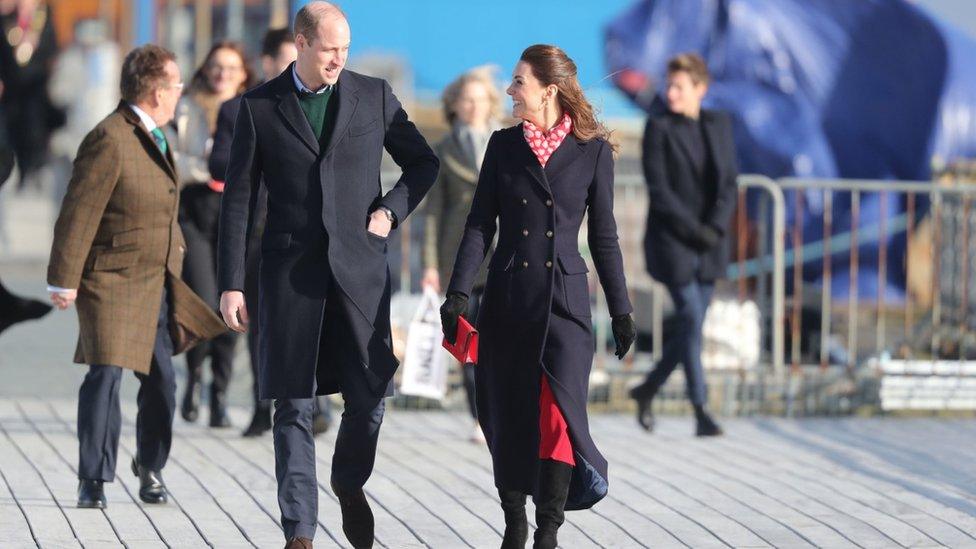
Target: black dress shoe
357, 517
91, 494
151, 486
260, 423
644, 398
706, 426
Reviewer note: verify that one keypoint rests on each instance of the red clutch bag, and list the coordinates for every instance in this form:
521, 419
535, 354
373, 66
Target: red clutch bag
465, 347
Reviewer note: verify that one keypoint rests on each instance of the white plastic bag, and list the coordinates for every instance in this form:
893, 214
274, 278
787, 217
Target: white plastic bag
424, 364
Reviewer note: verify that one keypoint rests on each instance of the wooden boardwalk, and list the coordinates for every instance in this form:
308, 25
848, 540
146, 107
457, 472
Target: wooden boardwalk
769, 483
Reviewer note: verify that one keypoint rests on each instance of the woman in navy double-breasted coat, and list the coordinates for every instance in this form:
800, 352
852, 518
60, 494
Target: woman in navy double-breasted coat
534, 323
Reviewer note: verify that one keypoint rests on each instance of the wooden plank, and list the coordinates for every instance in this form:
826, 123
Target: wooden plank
39, 505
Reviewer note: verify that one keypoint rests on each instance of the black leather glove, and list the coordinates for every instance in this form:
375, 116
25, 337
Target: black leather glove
455, 304
624, 333
706, 238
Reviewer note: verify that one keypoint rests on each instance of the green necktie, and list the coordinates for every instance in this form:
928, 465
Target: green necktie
160, 139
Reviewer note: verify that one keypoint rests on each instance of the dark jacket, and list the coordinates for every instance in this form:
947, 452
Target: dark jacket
535, 313
683, 201
319, 202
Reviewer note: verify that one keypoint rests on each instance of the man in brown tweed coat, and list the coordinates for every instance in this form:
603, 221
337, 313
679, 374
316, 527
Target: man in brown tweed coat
117, 254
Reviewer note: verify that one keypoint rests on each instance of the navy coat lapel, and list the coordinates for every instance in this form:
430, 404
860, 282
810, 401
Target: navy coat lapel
348, 100
568, 152
522, 149
291, 111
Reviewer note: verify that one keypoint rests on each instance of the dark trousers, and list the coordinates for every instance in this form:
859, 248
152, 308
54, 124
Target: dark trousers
685, 344
355, 447
467, 370
100, 414
199, 212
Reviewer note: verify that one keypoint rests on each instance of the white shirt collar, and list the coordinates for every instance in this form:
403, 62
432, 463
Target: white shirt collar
147, 121
302, 87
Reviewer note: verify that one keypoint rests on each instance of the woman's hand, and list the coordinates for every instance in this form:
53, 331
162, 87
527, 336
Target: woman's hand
454, 305
624, 333
432, 279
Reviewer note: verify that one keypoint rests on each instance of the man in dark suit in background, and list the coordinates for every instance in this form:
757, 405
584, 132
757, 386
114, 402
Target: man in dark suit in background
315, 137
277, 54
690, 166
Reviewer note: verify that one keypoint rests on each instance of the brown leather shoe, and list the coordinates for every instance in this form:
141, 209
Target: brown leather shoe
299, 543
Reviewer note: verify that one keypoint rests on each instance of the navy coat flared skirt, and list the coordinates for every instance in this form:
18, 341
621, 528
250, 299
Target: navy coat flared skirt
535, 314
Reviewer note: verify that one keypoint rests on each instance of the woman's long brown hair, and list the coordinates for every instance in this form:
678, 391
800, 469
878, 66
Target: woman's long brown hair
200, 81
552, 66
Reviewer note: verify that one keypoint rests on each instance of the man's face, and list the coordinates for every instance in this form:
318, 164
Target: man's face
168, 93
324, 55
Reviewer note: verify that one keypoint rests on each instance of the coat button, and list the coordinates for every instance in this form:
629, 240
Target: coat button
549, 234
524, 202
548, 264
525, 264
548, 202
525, 232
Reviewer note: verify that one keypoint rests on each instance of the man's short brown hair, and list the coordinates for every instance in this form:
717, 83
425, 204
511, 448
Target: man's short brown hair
308, 18
691, 63
144, 70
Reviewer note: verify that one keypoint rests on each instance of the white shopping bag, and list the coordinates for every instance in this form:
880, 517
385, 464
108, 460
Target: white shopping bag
424, 364
731, 335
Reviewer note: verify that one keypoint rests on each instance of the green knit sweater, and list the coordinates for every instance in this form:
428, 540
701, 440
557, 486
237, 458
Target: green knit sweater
320, 116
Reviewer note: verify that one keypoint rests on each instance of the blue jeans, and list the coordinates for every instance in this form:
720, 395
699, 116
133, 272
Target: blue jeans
684, 346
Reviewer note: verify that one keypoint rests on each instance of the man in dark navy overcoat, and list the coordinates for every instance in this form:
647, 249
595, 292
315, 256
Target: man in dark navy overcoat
316, 136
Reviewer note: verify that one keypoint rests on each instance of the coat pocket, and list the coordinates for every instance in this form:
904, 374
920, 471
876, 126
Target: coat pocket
362, 129
126, 238
575, 284
111, 260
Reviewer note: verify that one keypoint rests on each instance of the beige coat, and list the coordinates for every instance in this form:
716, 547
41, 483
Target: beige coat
118, 242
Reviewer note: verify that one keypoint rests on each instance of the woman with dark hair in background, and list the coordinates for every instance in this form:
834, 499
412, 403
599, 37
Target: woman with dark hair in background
223, 75
690, 167
537, 181
472, 105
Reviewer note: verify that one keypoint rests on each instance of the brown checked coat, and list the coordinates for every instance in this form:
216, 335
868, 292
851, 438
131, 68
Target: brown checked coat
118, 242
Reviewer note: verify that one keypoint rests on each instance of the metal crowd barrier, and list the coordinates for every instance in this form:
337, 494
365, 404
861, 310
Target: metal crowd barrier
770, 247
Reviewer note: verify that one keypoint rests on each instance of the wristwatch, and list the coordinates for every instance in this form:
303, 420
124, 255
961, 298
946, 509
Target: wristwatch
389, 214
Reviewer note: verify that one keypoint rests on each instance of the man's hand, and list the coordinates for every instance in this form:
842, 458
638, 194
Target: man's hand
234, 310
379, 224
431, 279
63, 300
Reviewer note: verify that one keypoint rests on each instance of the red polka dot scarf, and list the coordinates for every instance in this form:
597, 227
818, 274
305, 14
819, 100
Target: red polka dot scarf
542, 143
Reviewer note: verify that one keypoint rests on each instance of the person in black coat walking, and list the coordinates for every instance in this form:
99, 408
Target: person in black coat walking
277, 54
537, 181
690, 167
314, 138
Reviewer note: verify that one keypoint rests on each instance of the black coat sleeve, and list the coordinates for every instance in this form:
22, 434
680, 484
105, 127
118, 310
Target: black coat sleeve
664, 203
220, 152
411, 153
727, 196
238, 201
602, 235
480, 227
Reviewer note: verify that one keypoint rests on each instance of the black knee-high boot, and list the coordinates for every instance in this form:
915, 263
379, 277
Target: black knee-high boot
516, 524
550, 504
